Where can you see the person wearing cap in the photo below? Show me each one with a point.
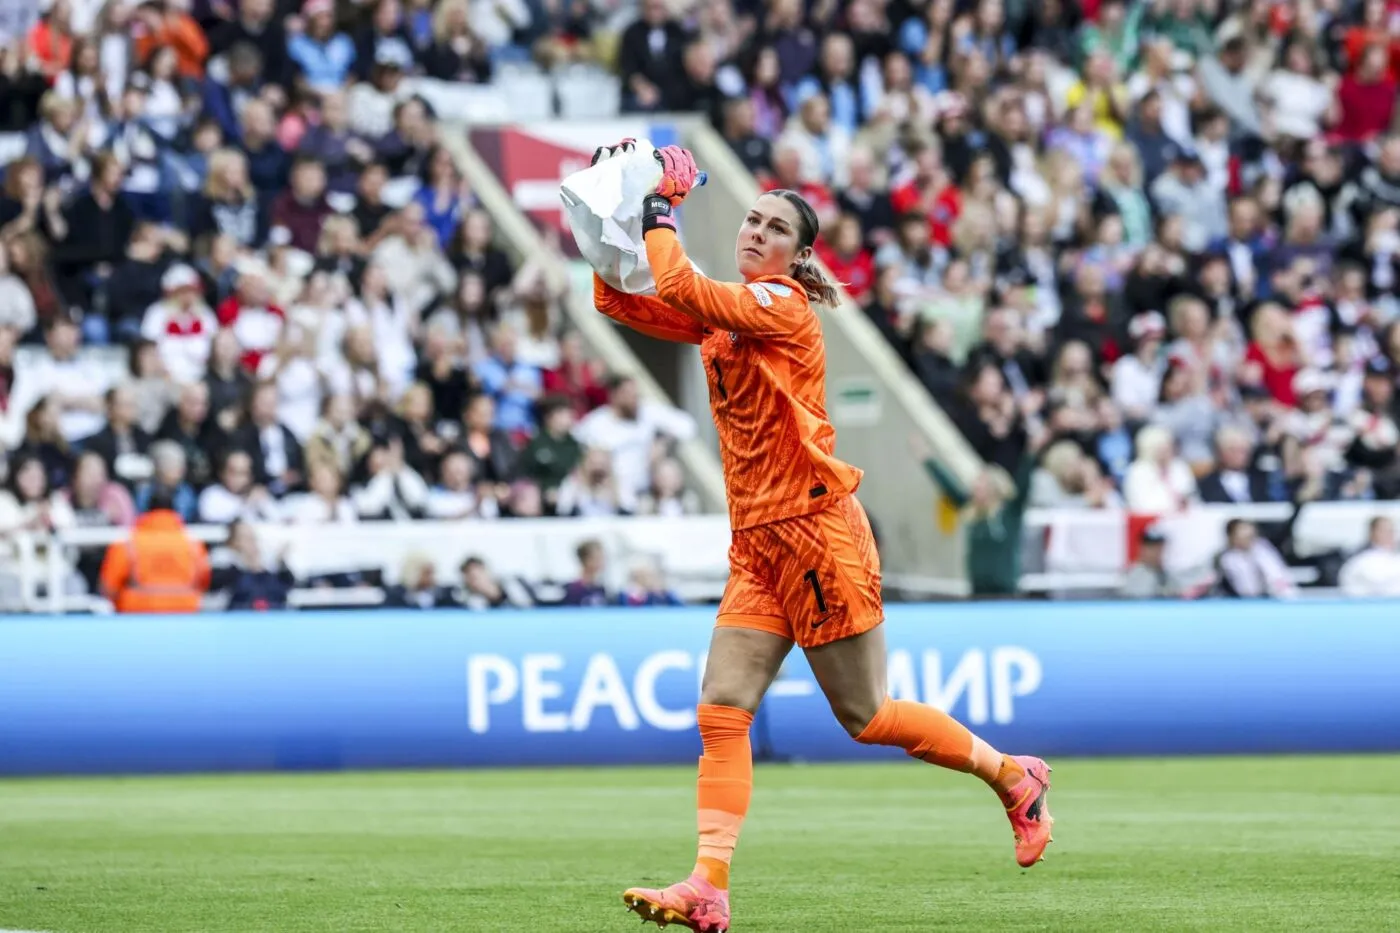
(1137, 378)
(1376, 434)
(324, 55)
(1147, 578)
(372, 102)
(1184, 191)
(181, 325)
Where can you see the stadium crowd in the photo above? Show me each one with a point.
(1152, 244)
(1145, 252)
(239, 272)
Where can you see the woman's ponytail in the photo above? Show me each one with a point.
(820, 290)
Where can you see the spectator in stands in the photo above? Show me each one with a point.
(1375, 570)
(338, 440)
(631, 431)
(74, 386)
(417, 587)
(1137, 377)
(267, 161)
(29, 504)
(1158, 482)
(160, 568)
(514, 384)
(591, 490)
(229, 205)
(323, 55)
(458, 53)
(553, 453)
(302, 208)
(473, 250)
(324, 501)
(650, 58)
(1234, 479)
(276, 454)
(646, 587)
(1250, 567)
(16, 303)
(490, 448)
(668, 496)
(588, 589)
(393, 490)
(250, 581)
(181, 325)
(480, 589)
(1148, 577)
(168, 482)
(416, 271)
(578, 378)
(992, 512)
(123, 445)
(235, 496)
(188, 425)
(454, 497)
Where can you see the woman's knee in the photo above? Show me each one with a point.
(855, 708)
(735, 693)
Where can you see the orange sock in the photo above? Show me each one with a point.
(723, 789)
(932, 735)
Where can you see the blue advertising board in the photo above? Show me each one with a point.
(614, 686)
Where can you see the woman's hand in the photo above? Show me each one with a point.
(607, 152)
(678, 173)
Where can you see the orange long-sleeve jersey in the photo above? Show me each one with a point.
(765, 362)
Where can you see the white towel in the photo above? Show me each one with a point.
(604, 206)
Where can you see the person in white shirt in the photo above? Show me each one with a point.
(181, 325)
(234, 497)
(76, 386)
(1250, 567)
(1137, 379)
(453, 497)
(1375, 570)
(1158, 481)
(632, 431)
(324, 502)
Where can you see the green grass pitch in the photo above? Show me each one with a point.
(1266, 844)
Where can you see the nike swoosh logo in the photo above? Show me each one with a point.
(819, 624)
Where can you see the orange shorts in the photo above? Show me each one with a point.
(813, 579)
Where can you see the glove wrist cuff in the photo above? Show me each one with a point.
(656, 212)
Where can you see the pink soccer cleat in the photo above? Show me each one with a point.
(1028, 808)
(693, 903)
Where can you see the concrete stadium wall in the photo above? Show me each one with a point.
(393, 689)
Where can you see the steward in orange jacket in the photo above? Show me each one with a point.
(160, 568)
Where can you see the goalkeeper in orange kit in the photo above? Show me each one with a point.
(803, 566)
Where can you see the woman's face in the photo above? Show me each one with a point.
(31, 481)
(476, 230)
(769, 239)
(373, 284)
(63, 116)
(417, 404)
(766, 68)
(471, 292)
(85, 58)
(442, 171)
(88, 478)
(481, 413)
(163, 63)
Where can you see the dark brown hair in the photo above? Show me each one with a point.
(819, 289)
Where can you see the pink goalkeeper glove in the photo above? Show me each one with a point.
(678, 173)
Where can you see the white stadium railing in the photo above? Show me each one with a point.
(692, 553)
(1067, 550)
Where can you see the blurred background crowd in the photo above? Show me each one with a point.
(1145, 253)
